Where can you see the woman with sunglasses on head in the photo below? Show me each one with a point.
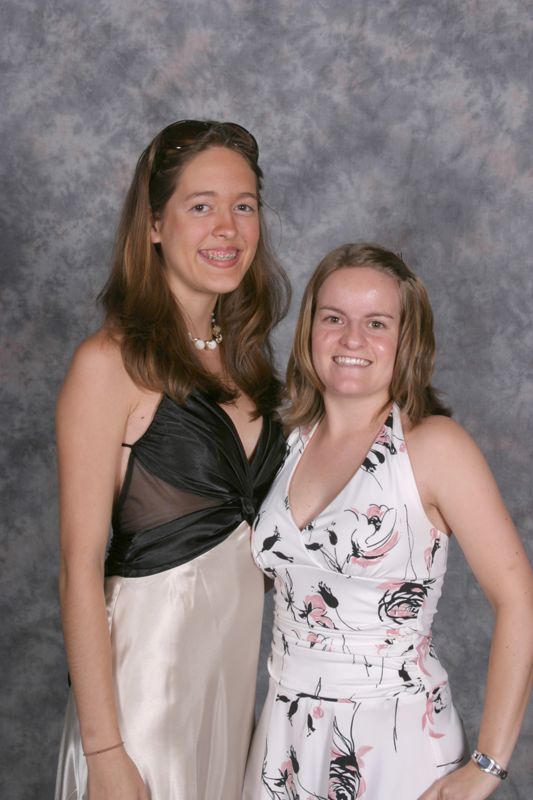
(376, 479)
(167, 430)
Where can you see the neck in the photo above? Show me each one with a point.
(345, 417)
(198, 316)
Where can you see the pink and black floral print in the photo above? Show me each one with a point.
(359, 705)
(345, 779)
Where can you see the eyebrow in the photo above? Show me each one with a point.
(208, 193)
(371, 314)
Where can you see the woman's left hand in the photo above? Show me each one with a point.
(466, 783)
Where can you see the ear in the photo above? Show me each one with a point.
(155, 236)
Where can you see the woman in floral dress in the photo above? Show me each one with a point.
(355, 533)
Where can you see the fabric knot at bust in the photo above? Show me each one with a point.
(248, 509)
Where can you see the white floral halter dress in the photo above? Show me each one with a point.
(358, 703)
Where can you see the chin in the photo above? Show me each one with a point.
(349, 392)
(223, 284)
(347, 388)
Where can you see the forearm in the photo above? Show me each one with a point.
(509, 682)
(88, 648)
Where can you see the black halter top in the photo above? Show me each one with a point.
(188, 485)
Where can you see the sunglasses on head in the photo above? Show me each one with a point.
(186, 133)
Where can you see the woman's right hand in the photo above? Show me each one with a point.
(114, 776)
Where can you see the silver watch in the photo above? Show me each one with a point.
(489, 765)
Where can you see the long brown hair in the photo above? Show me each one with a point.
(411, 385)
(141, 311)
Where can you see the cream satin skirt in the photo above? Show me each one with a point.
(185, 645)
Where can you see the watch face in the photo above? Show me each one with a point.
(483, 761)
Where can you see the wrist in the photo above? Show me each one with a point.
(99, 750)
(98, 735)
(489, 765)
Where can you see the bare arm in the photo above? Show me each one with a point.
(457, 484)
(92, 413)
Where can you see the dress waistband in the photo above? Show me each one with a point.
(337, 665)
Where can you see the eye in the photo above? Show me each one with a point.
(376, 324)
(245, 208)
(200, 208)
(333, 319)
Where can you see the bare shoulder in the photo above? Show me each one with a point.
(97, 375)
(441, 451)
(99, 357)
(438, 434)
(98, 393)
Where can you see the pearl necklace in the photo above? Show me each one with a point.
(213, 342)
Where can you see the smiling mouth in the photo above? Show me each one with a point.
(351, 361)
(223, 256)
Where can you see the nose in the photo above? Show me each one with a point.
(353, 335)
(224, 227)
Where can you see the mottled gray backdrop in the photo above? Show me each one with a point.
(406, 122)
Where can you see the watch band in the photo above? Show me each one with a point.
(489, 765)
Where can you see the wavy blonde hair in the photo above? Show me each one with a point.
(411, 385)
